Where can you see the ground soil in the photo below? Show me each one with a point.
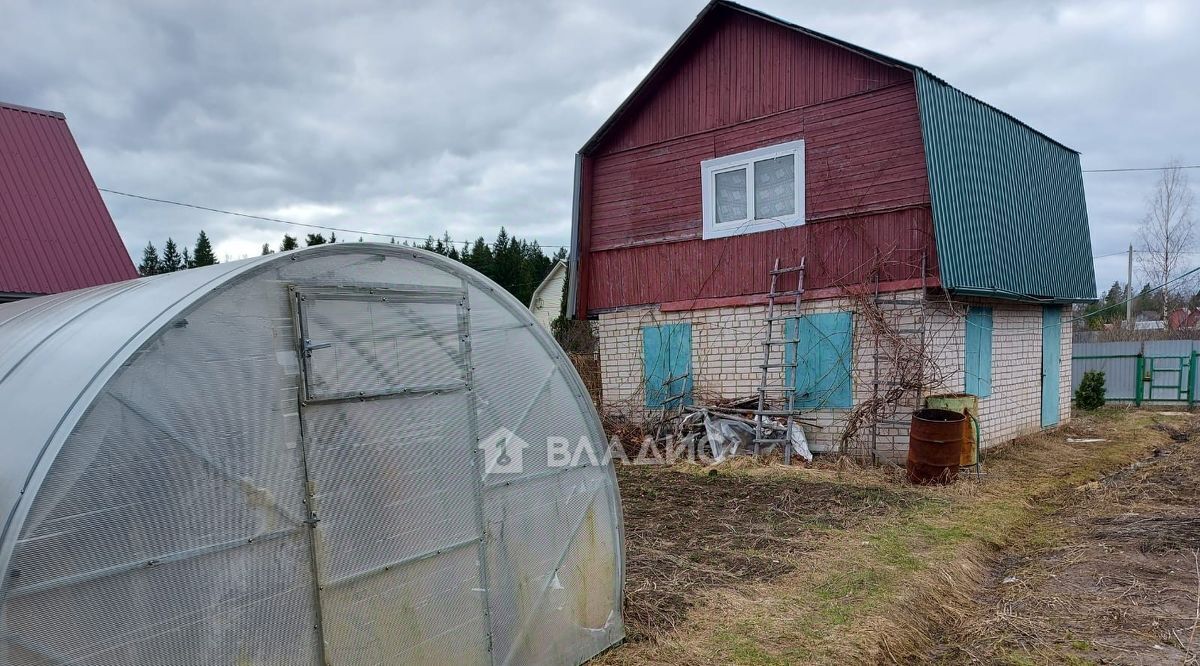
(689, 530)
(1112, 575)
(1064, 552)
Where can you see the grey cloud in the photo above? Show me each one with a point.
(412, 118)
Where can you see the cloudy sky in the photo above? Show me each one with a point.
(412, 118)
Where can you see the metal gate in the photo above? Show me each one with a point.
(1140, 378)
(393, 474)
(1167, 379)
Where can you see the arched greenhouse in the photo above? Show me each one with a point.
(337, 455)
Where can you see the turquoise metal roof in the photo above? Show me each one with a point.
(1009, 214)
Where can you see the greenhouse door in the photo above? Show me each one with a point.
(389, 444)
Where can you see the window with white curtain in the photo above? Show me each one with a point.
(753, 191)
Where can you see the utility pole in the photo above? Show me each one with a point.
(1129, 292)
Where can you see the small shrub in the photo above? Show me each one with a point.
(1090, 394)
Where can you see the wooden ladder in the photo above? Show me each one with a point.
(764, 434)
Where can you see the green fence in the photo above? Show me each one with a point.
(1139, 378)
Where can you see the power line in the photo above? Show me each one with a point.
(1131, 298)
(280, 221)
(1072, 319)
(419, 238)
(1161, 168)
(1121, 253)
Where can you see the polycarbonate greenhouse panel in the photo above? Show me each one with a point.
(341, 455)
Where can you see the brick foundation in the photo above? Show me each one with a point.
(726, 350)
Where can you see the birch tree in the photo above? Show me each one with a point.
(1167, 233)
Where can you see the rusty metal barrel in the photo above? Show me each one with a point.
(963, 403)
(935, 441)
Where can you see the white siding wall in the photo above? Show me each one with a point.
(547, 300)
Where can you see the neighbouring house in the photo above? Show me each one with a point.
(944, 240)
(55, 232)
(1184, 319)
(1149, 320)
(547, 301)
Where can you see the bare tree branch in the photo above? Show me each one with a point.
(1167, 233)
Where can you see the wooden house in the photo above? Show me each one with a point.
(931, 225)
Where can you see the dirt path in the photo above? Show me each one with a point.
(840, 565)
(1111, 576)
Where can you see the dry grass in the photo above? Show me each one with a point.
(688, 532)
(868, 569)
(1111, 576)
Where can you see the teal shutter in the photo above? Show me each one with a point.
(667, 365)
(822, 355)
(978, 366)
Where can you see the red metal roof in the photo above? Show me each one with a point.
(55, 232)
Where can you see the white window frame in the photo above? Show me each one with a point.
(708, 173)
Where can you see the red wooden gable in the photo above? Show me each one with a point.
(735, 67)
(736, 81)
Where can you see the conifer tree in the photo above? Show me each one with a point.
(1115, 294)
(150, 264)
(171, 260)
(516, 264)
(204, 252)
(480, 257)
(1090, 394)
(506, 260)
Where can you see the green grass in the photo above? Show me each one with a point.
(1018, 659)
(744, 650)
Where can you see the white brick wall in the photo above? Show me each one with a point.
(1014, 406)
(726, 351)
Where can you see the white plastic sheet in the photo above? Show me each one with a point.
(800, 443)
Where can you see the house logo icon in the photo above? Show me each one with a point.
(503, 452)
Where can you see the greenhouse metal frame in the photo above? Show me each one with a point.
(303, 458)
